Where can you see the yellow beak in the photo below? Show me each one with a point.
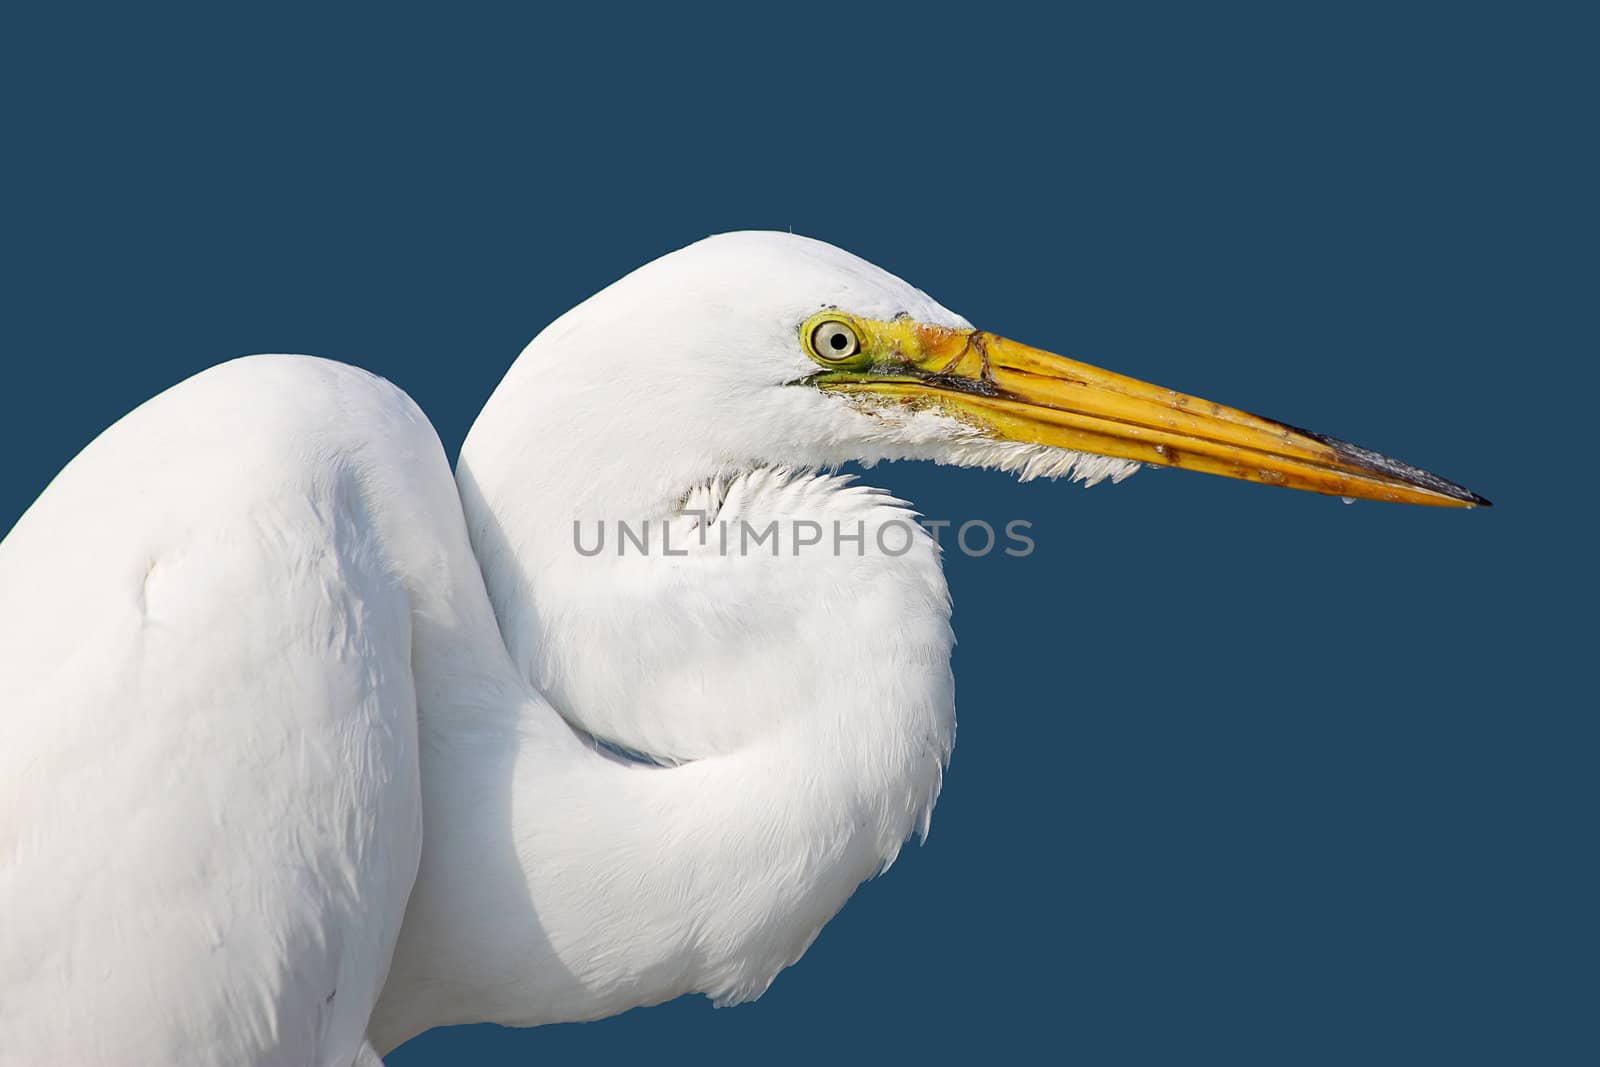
(1019, 393)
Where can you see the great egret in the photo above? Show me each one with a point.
(309, 746)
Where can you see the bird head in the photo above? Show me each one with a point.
(761, 349)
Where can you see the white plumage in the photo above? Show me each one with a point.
(306, 743)
(209, 801)
(226, 617)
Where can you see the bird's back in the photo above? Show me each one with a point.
(209, 798)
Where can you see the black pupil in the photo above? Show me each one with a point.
(838, 340)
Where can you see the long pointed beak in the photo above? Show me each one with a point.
(1019, 393)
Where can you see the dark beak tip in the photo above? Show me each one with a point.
(1389, 467)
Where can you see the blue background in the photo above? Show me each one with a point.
(1244, 776)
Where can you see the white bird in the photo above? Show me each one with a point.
(307, 745)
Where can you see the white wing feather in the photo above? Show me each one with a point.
(209, 797)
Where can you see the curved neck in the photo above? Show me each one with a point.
(807, 698)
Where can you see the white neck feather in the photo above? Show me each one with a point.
(807, 697)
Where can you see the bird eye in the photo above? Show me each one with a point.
(833, 340)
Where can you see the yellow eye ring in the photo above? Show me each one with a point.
(830, 338)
